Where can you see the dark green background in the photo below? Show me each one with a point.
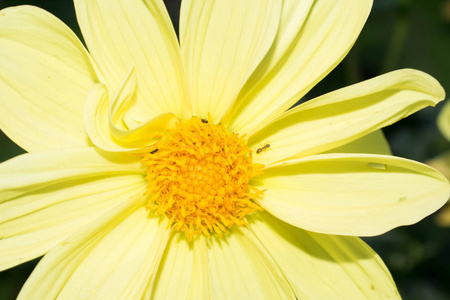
(398, 34)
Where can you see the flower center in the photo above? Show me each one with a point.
(198, 175)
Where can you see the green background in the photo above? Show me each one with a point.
(398, 34)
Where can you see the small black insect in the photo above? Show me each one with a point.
(204, 121)
(259, 150)
(154, 151)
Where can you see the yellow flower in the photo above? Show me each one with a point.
(443, 120)
(160, 169)
(442, 161)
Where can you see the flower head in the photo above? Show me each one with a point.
(198, 176)
(442, 161)
(161, 169)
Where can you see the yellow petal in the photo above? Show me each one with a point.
(120, 34)
(105, 125)
(443, 120)
(45, 75)
(35, 186)
(320, 266)
(33, 171)
(185, 265)
(373, 143)
(241, 268)
(113, 258)
(37, 221)
(345, 115)
(312, 39)
(96, 119)
(143, 135)
(351, 194)
(222, 42)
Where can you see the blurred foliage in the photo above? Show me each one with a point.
(398, 34)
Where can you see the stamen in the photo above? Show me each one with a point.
(198, 175)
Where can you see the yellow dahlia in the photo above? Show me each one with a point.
(442, 161)
(166, 169)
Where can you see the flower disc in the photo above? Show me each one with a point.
(198, 175)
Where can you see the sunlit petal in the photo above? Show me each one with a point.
(120, 34)
(241, 268)
(51, 192)
(187, 265)
(222, 43)
(113, 258)
(30, 172)
(345, 115)
(299, 58)
(343, 267)
(36, 222)
(104, 120)
(351, 194)
(45, 75)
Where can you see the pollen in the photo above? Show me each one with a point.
(198, 176)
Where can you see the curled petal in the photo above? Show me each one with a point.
(105, 119)
(124, 33)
